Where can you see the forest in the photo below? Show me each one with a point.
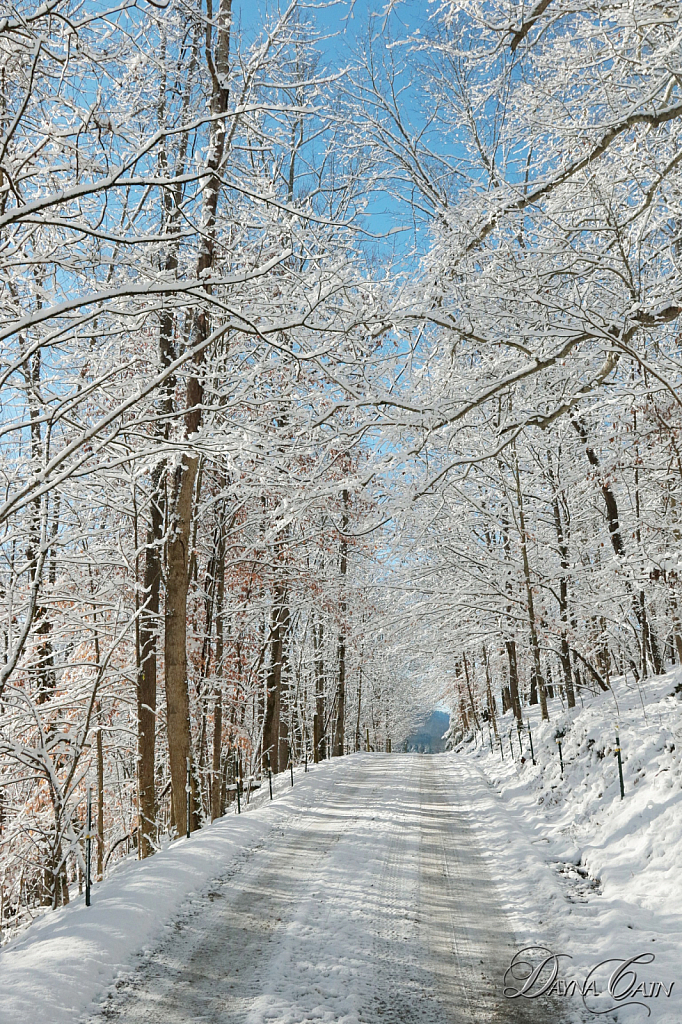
(339, 377)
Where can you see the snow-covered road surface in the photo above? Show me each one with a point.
(371, 904)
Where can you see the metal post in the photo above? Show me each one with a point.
(490, 733)
(561, 759)
(511, 745)
(499, 740)
(291, 765)
(620, 765)
(269, 775)
(305, 763)
(188, 793)
(88, 845)
(518, 729)
(236, 776)
(530, 737)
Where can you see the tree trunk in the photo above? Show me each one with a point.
(607, 493)
(100, 796)
(216, 753)
(153, 569)
(285, 709)
(357, 720)
(318, 721)
(340, 726)
(514, 699)
(216, 774)
(676, 625)
(175, 647)
(177, 690)
(563, 591)
(489, 694)
(471, 696)
(510, 644)
(566, 669)
(273, 680)
(146, 683)
(535, 646)
(533, 699)
(617, 543)
(649, 637)
(43, 668)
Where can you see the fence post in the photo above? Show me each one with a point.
(291, 764)
(236, 777)
(269, 775)
(561, 758)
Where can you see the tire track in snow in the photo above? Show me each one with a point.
(214, 965)
(464, 926)
(374, 906)
(402, 986)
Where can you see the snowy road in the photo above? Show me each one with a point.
(372, 906)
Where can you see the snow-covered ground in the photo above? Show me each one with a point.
(614, 888)
(65, 959)
(359, 896)
(390, 888)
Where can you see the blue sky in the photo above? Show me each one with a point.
(344, 25)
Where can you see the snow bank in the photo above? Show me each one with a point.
(606, 873)
(57, 967)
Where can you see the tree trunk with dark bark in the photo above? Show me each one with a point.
(146, 682)
(273, 679)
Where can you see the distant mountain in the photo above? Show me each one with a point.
(427, 736)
